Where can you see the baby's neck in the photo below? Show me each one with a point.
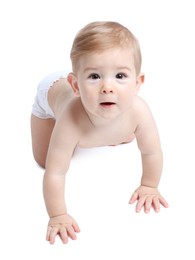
(99, 122)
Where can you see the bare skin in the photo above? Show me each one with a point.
(96, 106)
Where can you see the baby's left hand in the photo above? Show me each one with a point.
(148, 198)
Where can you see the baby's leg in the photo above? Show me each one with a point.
(43, 118)
(41, 130)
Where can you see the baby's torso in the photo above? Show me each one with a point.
(112, 132)
(62, 101)
(107, 136)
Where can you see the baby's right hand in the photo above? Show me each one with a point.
(64, 226)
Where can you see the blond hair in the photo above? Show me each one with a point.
(99, 36)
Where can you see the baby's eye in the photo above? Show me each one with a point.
(120, 76)
(94, 76)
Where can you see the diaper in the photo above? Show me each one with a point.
(41, 106)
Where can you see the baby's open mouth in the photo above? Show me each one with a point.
(107, 103)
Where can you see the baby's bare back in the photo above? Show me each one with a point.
(59, 95)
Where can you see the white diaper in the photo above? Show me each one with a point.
(41, 107)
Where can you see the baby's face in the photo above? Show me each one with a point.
(107, 82)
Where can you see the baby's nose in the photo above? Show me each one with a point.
(107, 88)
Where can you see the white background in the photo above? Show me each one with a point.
(36, 38)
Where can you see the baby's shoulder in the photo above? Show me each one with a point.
(141, 110)
(73, 114)
(139, 105)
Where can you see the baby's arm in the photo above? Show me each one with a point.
(148, 142)
(60, 223)
(62, 144)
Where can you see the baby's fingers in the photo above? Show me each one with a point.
(163, 202)
(147, 204)
(71, 232)
(63, 235)
(133, 198)
(65, 232)
(76, 226)
(48, 233)
(140, 204)
(51, 234)
(156, 204)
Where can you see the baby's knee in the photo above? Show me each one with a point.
(40, 161)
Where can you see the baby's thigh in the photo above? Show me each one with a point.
(41, 130)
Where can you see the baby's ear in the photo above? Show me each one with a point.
(72, 80)
(140, 80)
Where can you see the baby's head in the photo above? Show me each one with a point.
(99, 36)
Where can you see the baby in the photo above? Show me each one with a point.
(97, 104)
